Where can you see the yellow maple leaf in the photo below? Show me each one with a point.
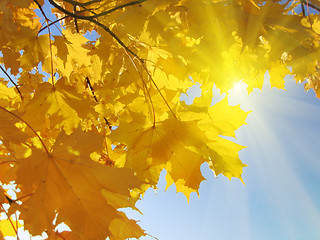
(182, 146)
(67, 182)
(11, 136)
(277, 73)
(36, 48)
(70, 53)
(61, 103)
(6, 93)
(219, 120)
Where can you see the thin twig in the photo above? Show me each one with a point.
(304, 2)
(74, 3)
(10, 79)
(307, 3)
(22, 197)
(54, 22)
(91, 89)
(313, 6)
(302, 8)
(15, 230)
(96, 100)
(58, 20)
(75, 19)
(40, 8)
(152, 236)
(90, 2)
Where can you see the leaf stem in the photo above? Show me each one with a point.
(14, 228)
(18, 199)
(49, 33)
(148, 93)
(154, 83)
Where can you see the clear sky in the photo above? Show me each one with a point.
(281, 195)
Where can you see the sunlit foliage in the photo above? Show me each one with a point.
(88, 123)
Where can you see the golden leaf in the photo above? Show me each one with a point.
(67, 182)
(61, 103)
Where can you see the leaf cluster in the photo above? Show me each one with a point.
(88, 124)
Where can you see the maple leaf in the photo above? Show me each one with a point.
(61, 103)
(6, 93)
(34, 53)
(66, 182)
(182, 146)
(10, 59)
(11, 136)
(70, 53)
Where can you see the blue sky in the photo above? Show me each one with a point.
(280, 198)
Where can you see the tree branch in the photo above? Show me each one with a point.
(91, 19)
(313, 6)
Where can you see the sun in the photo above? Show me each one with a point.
(238, 94)
(239, 88)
